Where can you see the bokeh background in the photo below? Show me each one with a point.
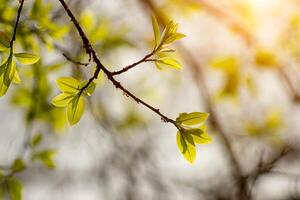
(240, 63)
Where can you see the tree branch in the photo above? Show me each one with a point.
(93, 55)
(17, 22)
(74, 61)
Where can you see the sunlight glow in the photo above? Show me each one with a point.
(263, 4)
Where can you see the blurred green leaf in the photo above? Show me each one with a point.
(46, 157)
(265, 58)
(18, 166)
(156, 30)
(26, 58)
(7, 73)
(4, 40)
(36, 139)
(15, 189)
(2, 189)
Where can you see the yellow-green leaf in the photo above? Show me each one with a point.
(15, 189)
(186, 146)
(46, 157)
(193, 118)
(4, 40)
(174, 37)
(62, 100)
(75, 109)
(36, 139)
(1, 191)
(90, 89)
(26, 58)
(18, 165)
(204, 138)
(200, 135)
(156, 30)
(16, 78)
(228, 64)
(7, 72)
(169, 62)
(182, 146)
(265, 58)
(68, 84)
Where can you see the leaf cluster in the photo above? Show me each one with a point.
(191, 131)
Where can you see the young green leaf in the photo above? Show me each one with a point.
(62, 100)
(4, 41)
(156, 30)
(90, 89)
(7, 72)
(169, 62)
(75, 109)
(46, 157)
(16, 78)
(26, 58)
(15, 189)
(68, 84)
(18, 166)
(174, 37)
(2, 189)
(199, 135)
(36, 139)
(193, 118)
(265, 58)
(186, 146)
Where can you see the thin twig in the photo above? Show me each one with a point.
(17, 23)
(74, 61)
(125, 69)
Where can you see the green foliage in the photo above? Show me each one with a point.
(268, 129)
(161, 50)
(186, 146)
(46, 157)
(1, 191)
(8, 69)
(191, 131)
(7, 73)
(71, 97)
(265, 58)
(193, 118)
(15, 188)
(36, 140)
(102, 34)
(18, 166)
(4, 41)
(231, 68)
(26, 58)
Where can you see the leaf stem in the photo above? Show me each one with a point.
(125, 69)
